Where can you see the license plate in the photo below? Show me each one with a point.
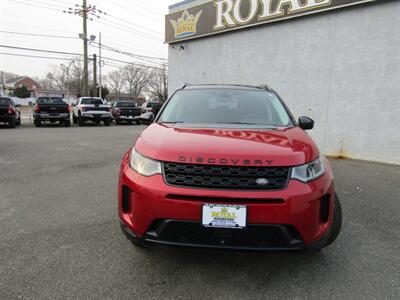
(224, 216)
(130, 117)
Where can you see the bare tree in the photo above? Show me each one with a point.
(75, 76)
(158, 83)
(116, 82)
(136, 79)
(57, 77)
(65, 77)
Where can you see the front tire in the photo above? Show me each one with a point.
(38, 123)
(12, 123)
(333, 230)
(67, 123)
(74, 119)
(107, 122)
(336, 222)
(81, 122)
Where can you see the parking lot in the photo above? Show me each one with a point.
(60, 235)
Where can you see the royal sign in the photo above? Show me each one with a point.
(218, 16)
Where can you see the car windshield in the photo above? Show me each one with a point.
(5, 101)
(125, 104)
(244, 108)
(92, 101)
(50, 100)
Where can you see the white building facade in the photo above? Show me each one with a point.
(338, 65)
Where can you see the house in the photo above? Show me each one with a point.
(29, 83)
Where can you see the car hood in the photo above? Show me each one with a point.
(281, 147)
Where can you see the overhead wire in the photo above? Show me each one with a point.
(151, 58)
(147, 6)
(134, 32)
(36, 56)
(39, 35)
(35, 5)
(40, 50)
(78, 54)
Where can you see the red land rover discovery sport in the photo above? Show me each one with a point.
(227, 166)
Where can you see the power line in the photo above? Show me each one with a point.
(77, 38)
(134, 24)
(35, 5)
(130, 63)
(128, 46)
(141, 59)
(76, 54)
(106, 22)
(130, 9)
(31, 26)
(44, 3)
(123, 67)
(134, 32)
(148, 7)
(130, 54)
(36, 56)
(40, 50)
(148, 16)
(40, 35)
(58, 1)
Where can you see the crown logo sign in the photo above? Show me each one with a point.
(186, 25)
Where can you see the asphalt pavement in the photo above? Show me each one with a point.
(60, 236)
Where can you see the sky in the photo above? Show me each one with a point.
(133, 26)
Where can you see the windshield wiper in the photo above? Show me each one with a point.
(246, 123)
(240, 123)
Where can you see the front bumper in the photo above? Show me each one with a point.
(7, 119)
(52, 117)
(95, 115)
(125, 118)
(293, 213)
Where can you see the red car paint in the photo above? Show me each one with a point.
(152, 199)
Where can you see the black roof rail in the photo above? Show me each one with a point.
(265, 87)
(261, 87)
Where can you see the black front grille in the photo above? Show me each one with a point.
(96, 108)
(226, 177)
(130, 112)
(253, 236)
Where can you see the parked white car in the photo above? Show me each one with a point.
(91, 109)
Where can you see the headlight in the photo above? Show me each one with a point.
(309, 172)
(143, 165)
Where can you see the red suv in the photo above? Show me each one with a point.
(227, 166)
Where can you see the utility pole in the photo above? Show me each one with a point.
(100, 79)
(95, 75)
(2, 84)
(84, 12)
(85, 51)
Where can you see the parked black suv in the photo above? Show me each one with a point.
(125, 111)
(9, 112)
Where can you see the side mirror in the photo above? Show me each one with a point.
(147, 118)
(306, 123)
